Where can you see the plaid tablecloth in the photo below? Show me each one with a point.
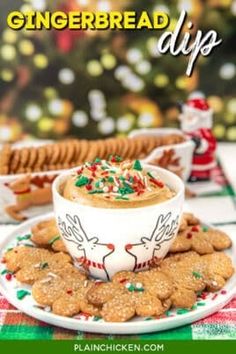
(222, 325)
(16, 325)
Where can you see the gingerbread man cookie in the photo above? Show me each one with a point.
(200, 239)
(46, 234)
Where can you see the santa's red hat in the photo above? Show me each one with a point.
(198, 110)
(198, 101)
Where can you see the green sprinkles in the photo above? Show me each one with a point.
(139, 290)
(6, 271)
(43, 265)
(205, 228)
(54, 239)
(118, 158)
(21, 294)
(96, 191)
(97, 318)
(197, 275)
(131, 288)
(150, 175)
(25, 237)
(126, 189)
(194, 307)
(110, 179)
(182, 311)
(131, 179)
(120, 186)
(137, 165)
(122, 198)
(201, 304)
(82, 181)
(97, 184)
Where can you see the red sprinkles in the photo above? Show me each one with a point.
(195, 228)
(89, 187)
(189, 235)
(8, 276)
(157, 183)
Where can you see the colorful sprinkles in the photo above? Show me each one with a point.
(134, 287)
(116, 179)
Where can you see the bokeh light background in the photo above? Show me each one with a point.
(96, 84)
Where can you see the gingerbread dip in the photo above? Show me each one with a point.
(115, 184)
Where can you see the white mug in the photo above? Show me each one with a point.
(106, 241)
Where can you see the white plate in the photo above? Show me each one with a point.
(211, 304)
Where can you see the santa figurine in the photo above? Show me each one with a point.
(196, 122)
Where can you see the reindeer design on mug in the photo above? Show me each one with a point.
(93, 253)
(164, 231)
